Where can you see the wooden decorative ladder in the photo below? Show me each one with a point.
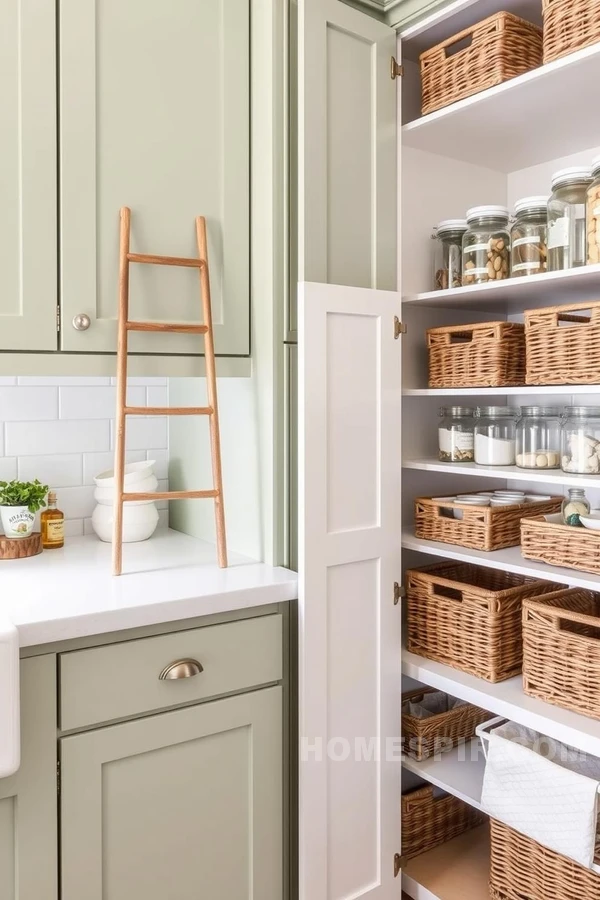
(125, 326)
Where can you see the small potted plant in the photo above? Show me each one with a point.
(19, 502)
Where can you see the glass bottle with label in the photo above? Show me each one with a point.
(52, 522)
(486, 245)
(528, 237)
(448, 254)
(593, 214)
(567, 245)
(456, 434)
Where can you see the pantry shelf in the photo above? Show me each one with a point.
(554, 477)
(453, 871)
(558, 390)
(459, 771)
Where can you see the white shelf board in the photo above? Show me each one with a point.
(543, 390)
(457, 870)
(516, 294)
(507, 699)
(539, 116)
(556, 478)
(459, 771)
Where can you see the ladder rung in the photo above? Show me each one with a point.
(152, 260)
(171, 495)
(169, 410)
(180, 327)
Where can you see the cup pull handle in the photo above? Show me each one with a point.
(182, 668)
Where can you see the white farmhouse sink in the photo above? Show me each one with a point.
(10, 728)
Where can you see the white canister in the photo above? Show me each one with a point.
(17, 521)
(140, 517)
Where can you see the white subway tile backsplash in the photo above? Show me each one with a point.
(75, 436)
(157, 396)
(18, 404)
(77, 502)
(94, 463)
(151, 380)
(142, 433)
(62, 379)
(161, 460)
(58, 471)
(74, 527)
(95, 402)
(8, 379)
(8, 468)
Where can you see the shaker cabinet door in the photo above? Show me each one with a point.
(154, 115)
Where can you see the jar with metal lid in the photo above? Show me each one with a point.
(448, 253)
(486, 245)
(580, 443)
(574, 506)
(495, 435)
(456, 434)
(593, 214)
(567, 245)
(538, 437)
(528, 237)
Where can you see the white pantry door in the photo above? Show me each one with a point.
(349, 626)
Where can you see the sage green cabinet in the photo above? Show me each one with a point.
(28, 799)
(184, 804)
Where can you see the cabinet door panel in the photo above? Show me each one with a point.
(182, 805)
(154, 116)
(28, 251)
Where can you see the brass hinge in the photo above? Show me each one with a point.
(396, 70)
(58, 318)
(399, 593)
(397, 864)
(58, 777)
(399, 327)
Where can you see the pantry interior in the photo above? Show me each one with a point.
(494, 147)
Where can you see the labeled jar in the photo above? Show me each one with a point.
(448, 254)
(567, 245)
(495, 435)
(538, 437)
(486, 245)
(528, 237)
(456, 436)
(580, 442)
(574, 506)
(593, 214)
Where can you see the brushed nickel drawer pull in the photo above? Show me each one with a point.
(183, 668)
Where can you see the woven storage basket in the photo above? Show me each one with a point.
(428, 820)
(521, 869)
(569, 25)
(481, 527)
(561, 650)
(439, 733)
(489, 354)
(560, 545)
(567, 353)
(469, 617)
(495, 50)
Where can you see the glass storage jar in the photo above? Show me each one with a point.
(486, 245)
(575, 505)
(448, 254)
(495, 436)
(538, 437)
(456, 434)
(528, 237)
(580, 443)
(593, 214)
(567, 246)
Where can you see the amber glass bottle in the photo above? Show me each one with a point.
(53, 525)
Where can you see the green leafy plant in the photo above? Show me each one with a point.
(31, 494)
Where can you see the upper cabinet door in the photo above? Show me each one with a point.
(28, 176)
(347, 147)
(154, 115)
(349, 625)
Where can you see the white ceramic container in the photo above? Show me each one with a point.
(17, 521)
(139, 522)
(139, 478)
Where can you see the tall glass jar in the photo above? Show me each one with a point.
(593, 214)
(538, 437)
(495, 435)
(486, 245)
(567, 246)
(448, 253)
(528, 237)
(456, 434)
(580, 444)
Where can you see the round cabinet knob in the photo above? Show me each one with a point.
(183, 668)
(81, 322)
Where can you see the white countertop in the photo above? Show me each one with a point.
(71, 593)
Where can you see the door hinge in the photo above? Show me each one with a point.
(399, 327)
(396, 70)
(58, 318)
(397, 864)
(399, 593)
(58, 777)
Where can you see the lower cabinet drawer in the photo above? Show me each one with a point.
(133, 677)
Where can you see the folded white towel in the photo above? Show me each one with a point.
(543, 789)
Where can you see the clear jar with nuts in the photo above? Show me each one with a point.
(529, 249)
(567, 245)
(448, 253)
(486, 245)
(538, 437)
(593, 214)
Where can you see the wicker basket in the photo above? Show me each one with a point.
(489, 354)
(439, 733)
(481, 527)
(469, 617)
(563, 354)
(561, 650)
(569, 25)
(491, 52)
(560, 545)
(429, 820)
(521, 869)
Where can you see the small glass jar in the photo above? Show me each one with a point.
(580, 442)
(528, 237)
(567, 245)
(448, 254)
(495, 436)
(575, 505)
(456, 434)
(486, 245)
(593, 214)
(538, 437)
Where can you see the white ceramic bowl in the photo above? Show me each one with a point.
(505, 501)
(509, 493)
(139, 479)
(139, 522)
(537, 498)
(592, 521)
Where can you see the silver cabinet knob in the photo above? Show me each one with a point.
(81, 322)
(183, 668)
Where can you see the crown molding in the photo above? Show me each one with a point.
(397, 13)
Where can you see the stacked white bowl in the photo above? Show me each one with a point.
(140, 517)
